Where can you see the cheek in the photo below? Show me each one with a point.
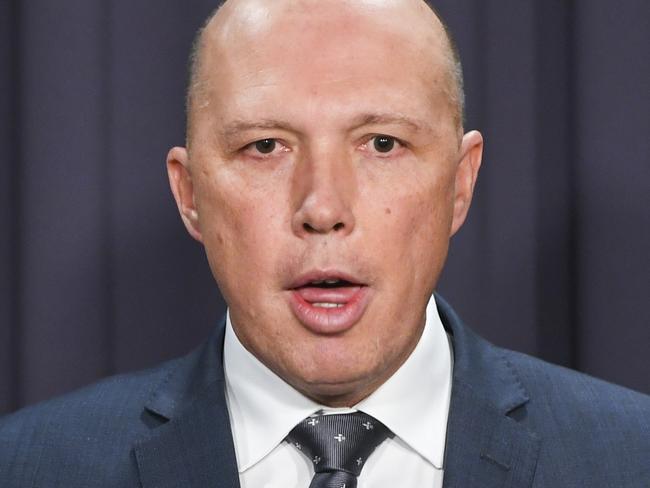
(421, 206)
(240, 223)
(415, 225)
(433, 212)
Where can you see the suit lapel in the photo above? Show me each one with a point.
(486, 446)
(192, 450)
(190, 443)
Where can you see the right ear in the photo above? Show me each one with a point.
(180, 180)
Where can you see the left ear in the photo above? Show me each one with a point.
(471, 153)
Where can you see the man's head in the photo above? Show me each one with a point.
(325, 143)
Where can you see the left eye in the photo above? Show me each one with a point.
(383, 144)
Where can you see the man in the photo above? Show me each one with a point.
(325, 171)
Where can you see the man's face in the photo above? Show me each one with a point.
(323, 180)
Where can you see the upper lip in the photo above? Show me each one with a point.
(322, 275)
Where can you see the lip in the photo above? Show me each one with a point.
(352, 302)
(322, 275)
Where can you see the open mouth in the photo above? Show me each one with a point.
(329, 293)
(328, 302)
(332, 283)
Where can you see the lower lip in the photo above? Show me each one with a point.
(321, 320)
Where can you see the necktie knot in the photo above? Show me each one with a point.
(338, 443)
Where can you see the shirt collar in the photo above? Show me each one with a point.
(263, 408)
(413, 403)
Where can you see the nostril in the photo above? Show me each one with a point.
(307, 227)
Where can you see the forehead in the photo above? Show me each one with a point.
(325, 56)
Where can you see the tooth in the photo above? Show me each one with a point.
(327, 305)
(318, 282)
(331, 282)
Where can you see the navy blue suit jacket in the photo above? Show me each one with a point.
(515, 421)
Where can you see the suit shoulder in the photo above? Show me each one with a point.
(583, 400)
(86, 427)
(110, 396)
(589, 428)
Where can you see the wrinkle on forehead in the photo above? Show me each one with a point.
(241, 25)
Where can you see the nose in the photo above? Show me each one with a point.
(324, 189)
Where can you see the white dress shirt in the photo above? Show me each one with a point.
(413, 404)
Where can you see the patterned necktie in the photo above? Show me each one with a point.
(338, 446)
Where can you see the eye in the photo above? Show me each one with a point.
(383, 144)
(265, 146)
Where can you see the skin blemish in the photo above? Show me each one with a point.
(388, 211)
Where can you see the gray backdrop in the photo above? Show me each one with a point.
(97, 275)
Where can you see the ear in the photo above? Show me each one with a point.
(471, 153)
(180, 180)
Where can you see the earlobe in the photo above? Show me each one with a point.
(471, 154)
(180, 181)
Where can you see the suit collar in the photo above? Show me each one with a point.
(485, 446)
(190, 443)
(189, 376)
(482, 366)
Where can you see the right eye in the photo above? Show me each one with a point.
(265, 146)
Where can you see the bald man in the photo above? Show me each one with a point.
(325, 170)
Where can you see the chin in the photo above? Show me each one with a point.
(336, 392)
(333, 378)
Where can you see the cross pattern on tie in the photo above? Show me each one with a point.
(338, 446)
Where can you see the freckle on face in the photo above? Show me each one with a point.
(388, 211)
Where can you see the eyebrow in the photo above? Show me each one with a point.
(235, 127)
(390, 118)
(232, 129)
